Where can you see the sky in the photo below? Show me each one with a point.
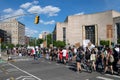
(51, 11)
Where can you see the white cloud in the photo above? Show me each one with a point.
(31, 7)
(30, 32)
(19, 12)
(35, 9)
(35, 2)
(8, 10)
(26, 5)
(50, 10)
(47, 22)
(15, 14)
(81, 13)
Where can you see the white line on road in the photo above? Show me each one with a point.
(22, 77)
(24, 71)
(12, 70)
(28, 79)
(113, 75)
(49, 62)
(57, 64)
(104, 78)
(4, 65)
(42, 61)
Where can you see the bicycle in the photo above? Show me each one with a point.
(87, 65)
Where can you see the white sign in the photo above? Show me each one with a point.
(85, 42)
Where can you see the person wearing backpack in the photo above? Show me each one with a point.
(79, 56)
(109, 62)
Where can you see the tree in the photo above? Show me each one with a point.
(59, 43)
(39, 41)
(49, 39)
(4, 46)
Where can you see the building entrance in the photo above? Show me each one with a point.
(90, 33)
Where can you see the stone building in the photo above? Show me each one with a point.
(4, 37)
(15, 29)
(94, 27)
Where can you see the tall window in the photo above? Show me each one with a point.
(64, 34)
(118, 30)
(109, 31)
(90, 33)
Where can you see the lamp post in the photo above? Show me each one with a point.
(52, 38)
(45, 33)
(46, 40)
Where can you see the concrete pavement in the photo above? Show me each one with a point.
(4, 56)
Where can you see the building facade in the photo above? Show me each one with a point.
(5, 38)
(15, 29)
(93, 27)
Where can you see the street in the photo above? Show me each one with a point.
(42, 69)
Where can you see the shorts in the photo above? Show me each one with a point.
(78, 60)
(64, 58)
(109, 64)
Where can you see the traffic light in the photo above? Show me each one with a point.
(36, 20)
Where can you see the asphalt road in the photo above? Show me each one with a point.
(29, 69)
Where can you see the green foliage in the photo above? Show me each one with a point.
(59, 44)
(4, 46)
(49, 39)
(35, 42)
(118, 41)
(104, 42)
(39, 41)
(18, 45)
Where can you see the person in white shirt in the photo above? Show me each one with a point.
(64, 51)
(93, 59)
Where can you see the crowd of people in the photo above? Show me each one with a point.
(106, 57)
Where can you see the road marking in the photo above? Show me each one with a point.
(22, 77)
(24, 71)
(57, 64)
(67, 66)
(23, 59)
(49, 62)
(12, 70)
(104, 78)
(28, 79)
(113, 75)
(5, 65)
(42, 61)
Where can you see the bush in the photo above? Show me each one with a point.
(118, 41)
(104, 42)
(59, 44)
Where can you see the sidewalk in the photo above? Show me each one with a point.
(4, 56)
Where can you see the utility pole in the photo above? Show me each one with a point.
(45, 33)
(52, 38)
